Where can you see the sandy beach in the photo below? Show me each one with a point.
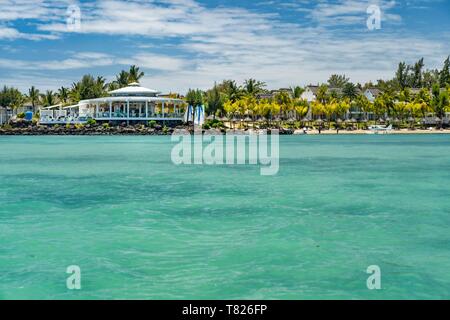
(356, 132)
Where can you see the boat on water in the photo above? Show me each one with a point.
(378, 129)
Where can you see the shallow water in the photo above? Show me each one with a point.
(140, 227)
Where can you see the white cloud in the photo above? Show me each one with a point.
(213, 44)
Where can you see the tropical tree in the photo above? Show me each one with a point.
(63, 94)
(214, 100)
(284, 102)
(301, 108)
(253, 87)
(231, 90)
(350, 91)
(122, 79)
(11, 97)
(401, 76)
(49, 98)
(322, 94)
(34, 96)
(338, 81)
(296, 92)
(444, 75)
(194, 98)
(134, 75)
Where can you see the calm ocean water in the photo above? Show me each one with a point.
(140, 227)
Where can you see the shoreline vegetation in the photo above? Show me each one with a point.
(414, 101)
(152, 130)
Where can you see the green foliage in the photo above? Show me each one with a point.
(91, 122)
(79, 126)
(216, 124)
(253, 87)
(338, 81)
(214, 100)
(106, 125)
(152, 123)
(165, 130)
(444, 75)
(11, 97)
(48, 98)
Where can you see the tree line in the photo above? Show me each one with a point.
(89, 87)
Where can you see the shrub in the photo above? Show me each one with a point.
(165, 130)
(106, 125)
(152, 123)
(79, 126)
(21, 115)
(216, 124)
(91, 122)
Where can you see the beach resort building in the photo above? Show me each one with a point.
(372, 93)
(133, 103)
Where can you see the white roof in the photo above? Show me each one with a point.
(133, 89)
(130, 99)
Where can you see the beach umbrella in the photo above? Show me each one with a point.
(319, 120)
(396, 120)
(338, 120)
(262, 119)
(411, 119)
(292, 119)
(353, 120)
(381, 120)
(248, 119)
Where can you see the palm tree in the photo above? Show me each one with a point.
(63, 94)
(49, 98)
(350, 91)
(214, 100)
(194, 98)
(33, 95)
(134, 75)
(253, 87)
(122, 79)
(297, 92)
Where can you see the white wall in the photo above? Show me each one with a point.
(308, 95)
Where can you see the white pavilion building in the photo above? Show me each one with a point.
(132, 103)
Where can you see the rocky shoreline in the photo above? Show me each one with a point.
(87, 130)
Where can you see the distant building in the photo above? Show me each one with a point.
(310, 93)
(5, 114)
(372, 93)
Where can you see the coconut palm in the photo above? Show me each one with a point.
(194, 98)
(63, 94)
(253, 87)
(122, 79)
(214, 100)
(134, 75)
(296, 92)
(49, 98)
(33, 95)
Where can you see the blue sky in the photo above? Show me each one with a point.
(192, 43)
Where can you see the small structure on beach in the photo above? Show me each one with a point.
(132, 103)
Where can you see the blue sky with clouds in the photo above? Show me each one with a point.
(192, 43)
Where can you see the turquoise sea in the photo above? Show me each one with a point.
(140, 227)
